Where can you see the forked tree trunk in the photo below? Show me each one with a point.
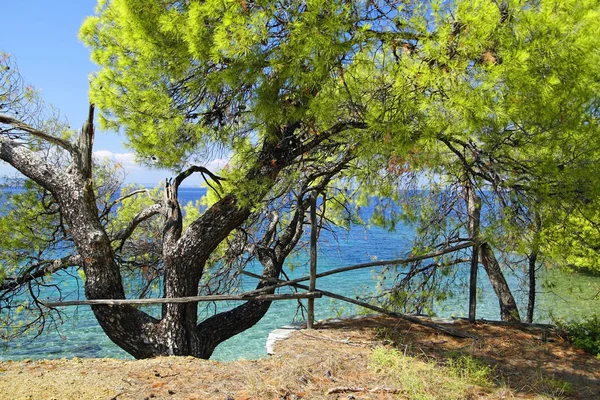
(184, 255)
(177, 332)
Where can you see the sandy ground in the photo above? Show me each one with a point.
(311, 364)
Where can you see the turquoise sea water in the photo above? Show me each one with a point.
(80, 335)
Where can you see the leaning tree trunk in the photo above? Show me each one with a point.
(223, 326)
(130, 328)
(508, 306)
(220, 327)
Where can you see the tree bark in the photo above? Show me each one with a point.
(532, 268)
(485, 255)
(474, 218)
(508, 306)
(223, 326)
(532, 258)
(184, 254)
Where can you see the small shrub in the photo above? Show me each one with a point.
(336, 309)
(384, 334)
(584, 334)
(555, 387)
(422, 379)
(471, 369)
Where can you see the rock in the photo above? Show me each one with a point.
(280, 334)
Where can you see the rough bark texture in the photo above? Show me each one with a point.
(185, 254)
(223, 326)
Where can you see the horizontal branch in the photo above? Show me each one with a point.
(40, 270)
(30, 164)
(191, 299)
(195, 168)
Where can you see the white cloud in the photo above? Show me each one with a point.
(136, 173)
(127, 160)
(141, 174)
(216, 165)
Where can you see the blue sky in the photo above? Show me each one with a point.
(41, 36)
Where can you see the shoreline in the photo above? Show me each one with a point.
(335, 358)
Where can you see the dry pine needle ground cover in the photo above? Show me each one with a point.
(368, 358)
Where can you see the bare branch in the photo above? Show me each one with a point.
(377, 264)
(195, 168)
(408, 317)
(142, 216)
(120, 199)
(188, 299)
(15, 123)
(40, 270)
(85, 145)
(270, 231)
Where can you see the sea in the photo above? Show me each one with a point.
(560, 295)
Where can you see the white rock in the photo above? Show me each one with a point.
(280, 334)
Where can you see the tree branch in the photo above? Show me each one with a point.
(142, 216)
(195, 168)
(335, 129)
(15, 123)
(270, 231)
(467, 166)
(40, 270)
(31, 165)
(85, 145)
(120, 199)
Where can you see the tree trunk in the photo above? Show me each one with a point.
(532, 286)
(532, 258)
(508, 306)
(178, 321)
(184, 254)
(474, 218)
(225, 325)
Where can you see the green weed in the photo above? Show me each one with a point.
(424, 380)
(584, 334)
(555, 387)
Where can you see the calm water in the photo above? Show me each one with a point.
(80, 335)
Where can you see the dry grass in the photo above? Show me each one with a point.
(376, 358)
